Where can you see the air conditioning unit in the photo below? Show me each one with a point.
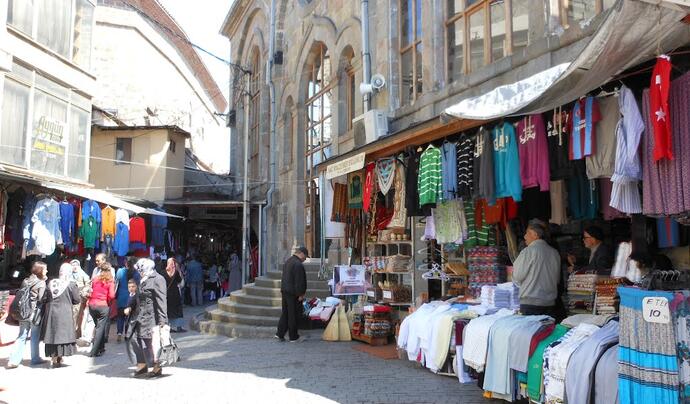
(372, 124)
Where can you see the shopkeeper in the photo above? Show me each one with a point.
(537, 272)
(600, 256)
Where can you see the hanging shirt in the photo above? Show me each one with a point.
(583, 128)
(89, 232)
(108, 216)
(28, 212)
(659, 113)
(369, 180)
(558, 134)
(429, 182)
(483, 167)
(137, 230)
(532, 148)
(506, 163)
(411, 179)
(559, 203)
(90, 208)
(449, 171)
(67, 224)
(121, 242)
(465, 162)
(122, 216)
(625, 195)
(603, 161)
(583, 198)
(46, 226)
(158, 225)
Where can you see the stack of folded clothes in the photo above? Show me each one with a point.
(487, 267)
(606, 297)
(581, 289)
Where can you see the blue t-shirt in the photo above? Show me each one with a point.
(195, 273)
(122, 293)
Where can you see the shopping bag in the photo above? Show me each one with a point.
(168, 353)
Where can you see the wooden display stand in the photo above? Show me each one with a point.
(373, 341)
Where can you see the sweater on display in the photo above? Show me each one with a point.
(429, 181)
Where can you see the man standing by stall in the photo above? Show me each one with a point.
(537, 271)
(293, 286)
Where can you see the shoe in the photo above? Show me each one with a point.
(11, 366)
(281, 339)
(180, 329)
(119, 337)
(173, 330)
(141, 373)
(39, 363)
(155, 372)
(298, 340)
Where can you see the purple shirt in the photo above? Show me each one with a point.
(533, 149)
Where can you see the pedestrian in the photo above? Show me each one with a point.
(102, 264)
(195, 280)
(173, 277)
(37, 284)
(122, 277)
(147, 319)
(293, 286)
(103, 292)
(537, 271)
(235, 276)
(83, 282)
(213, 280)
(59, 334)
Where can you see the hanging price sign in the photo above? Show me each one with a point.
(655, 310)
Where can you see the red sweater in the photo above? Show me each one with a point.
(137, 230)
(102, 294)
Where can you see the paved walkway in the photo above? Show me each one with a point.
(222, 370)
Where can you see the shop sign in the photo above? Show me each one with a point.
(49, 136)
(387, 294)
(350, 280)
(346, 166)
(655, 310)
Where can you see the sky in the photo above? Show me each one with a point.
(201, 20)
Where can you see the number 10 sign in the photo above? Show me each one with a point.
(655, 310)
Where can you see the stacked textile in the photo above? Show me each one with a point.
(476, 339)
(511, 292)
(606, 296)
(648, 370)
(581, 293)
(502, 296)
(486, 266)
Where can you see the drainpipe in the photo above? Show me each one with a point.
(272, 176)
(366, 55)
(245, 189)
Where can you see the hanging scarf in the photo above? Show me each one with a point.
(385, 173)
(58, 285)
(368, 187)
(355, 184)
(399, 211)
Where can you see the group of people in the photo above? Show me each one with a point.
(142, 299)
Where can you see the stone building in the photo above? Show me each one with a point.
(432, 54)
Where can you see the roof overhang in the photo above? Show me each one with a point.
(222, 203)
(171, 128)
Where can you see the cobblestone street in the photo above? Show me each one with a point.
(222, 370)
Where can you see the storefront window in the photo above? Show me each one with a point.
(15, 111)
(410, 50)
(477, 35)
(54, 139)
(498, 30)
(520, 24)
(64, 26)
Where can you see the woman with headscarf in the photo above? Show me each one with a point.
(235, 277)
(173, 277)
(147, 319)
(83, 282)
(59, 333)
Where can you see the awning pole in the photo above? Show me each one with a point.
(245, 195)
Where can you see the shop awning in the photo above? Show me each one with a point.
(105, 197)
(631, 33)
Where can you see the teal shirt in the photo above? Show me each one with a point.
(506, 162)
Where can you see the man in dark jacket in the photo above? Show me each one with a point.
(293, 286)
(600, 256)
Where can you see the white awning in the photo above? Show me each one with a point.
(107, 198)
(630, 34)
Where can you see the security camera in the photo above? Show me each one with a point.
(377, 83)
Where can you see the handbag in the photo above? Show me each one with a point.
(37, 316)
(168, 353)
(113, 309)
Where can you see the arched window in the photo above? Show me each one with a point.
(318, 133)
(254, 113)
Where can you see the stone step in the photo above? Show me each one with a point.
(249, 309)
(243, 298)
(312, 276)
(235, 318)
(235, 330)
(274, 275)
(267, 282)
(260, 291)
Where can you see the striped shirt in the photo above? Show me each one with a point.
(465, 155)
(583, 132)
(625, 194)
(429, 181)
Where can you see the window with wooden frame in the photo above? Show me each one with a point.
(410, 50)
(575, 11)
(318, 133)
(254, 113)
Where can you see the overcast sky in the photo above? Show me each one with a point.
(201, 20)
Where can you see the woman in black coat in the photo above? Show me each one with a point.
(148, 317)
(173, 278)
(59, 333)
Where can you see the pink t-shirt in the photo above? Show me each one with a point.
(533, 150)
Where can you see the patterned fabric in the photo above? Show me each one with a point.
(451, 225)
(583, 131)
(429, 182)
(659, 113)
(665, 190)
(355, 187)
(465, 166)
(680, 309)
(399, 211)
(385, 174)
(647, 363)
(368, 187)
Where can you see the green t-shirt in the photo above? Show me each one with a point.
(535, 366)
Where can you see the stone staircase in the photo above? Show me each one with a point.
(255, 310)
